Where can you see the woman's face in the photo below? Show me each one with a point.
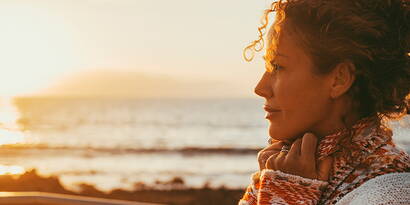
(297, 99)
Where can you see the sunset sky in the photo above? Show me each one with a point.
(48, 45)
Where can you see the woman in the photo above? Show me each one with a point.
(337, 70)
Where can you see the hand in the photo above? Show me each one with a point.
(265, 153)
(300, 160)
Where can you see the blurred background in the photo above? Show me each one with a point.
(132, 94)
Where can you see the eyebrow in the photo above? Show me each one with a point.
(282, 55)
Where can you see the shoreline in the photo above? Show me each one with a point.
(176, 193)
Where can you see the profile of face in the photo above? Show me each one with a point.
(297, 99)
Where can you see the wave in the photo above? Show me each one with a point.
(185, 150)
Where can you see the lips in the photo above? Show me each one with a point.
(270, 109)
(271, 112)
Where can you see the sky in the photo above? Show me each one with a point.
(60, 46)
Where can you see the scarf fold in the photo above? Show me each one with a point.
(363, 137)
(361, 152)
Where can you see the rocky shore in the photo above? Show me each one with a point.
(175, 193)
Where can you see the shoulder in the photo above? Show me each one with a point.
(392, 188)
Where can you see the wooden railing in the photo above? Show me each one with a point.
(43, 198)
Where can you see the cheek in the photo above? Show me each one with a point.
(291, 95)
(302, 103)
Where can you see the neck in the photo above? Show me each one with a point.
(338, 119)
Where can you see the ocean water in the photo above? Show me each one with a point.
(119, 143)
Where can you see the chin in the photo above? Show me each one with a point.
(281, 135)
(277, 135)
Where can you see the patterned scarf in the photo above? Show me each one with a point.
(360, 153)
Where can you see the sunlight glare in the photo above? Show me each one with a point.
(11, 137)
(9, 115)
(11, 170)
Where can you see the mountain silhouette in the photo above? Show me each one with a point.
(111, 83)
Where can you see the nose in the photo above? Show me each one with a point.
(264, 88)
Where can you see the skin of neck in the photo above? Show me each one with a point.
(341, 116)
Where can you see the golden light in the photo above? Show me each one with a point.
(10, 137)
(8, 114)
(9, 133)
(35, 47)
(9, 170)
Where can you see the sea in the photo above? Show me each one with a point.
(123, 143)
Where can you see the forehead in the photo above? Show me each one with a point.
(283, 43)
(272, 35)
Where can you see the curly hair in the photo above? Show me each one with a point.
(373, 35)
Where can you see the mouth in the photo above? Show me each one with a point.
(270, 112)
(270, 109)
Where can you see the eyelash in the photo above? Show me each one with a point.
(274, 66)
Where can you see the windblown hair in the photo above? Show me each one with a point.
(373, 35)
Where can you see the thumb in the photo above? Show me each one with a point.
(324, 167)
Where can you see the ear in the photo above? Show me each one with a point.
(343, 76)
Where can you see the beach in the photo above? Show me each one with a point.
(174, 151)
(176, 194)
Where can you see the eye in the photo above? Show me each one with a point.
(276, 66)
(272, 65)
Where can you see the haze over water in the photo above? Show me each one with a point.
(115, 143)
(142, 91)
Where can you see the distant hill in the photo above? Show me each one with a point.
(110, 83)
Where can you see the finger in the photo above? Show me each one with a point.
(278, 162)
(265, 154)
(308, 148)
(275, 146)
(263, 157)
(295, 149)
(270, 163)
(271, 140)
(324, 168)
